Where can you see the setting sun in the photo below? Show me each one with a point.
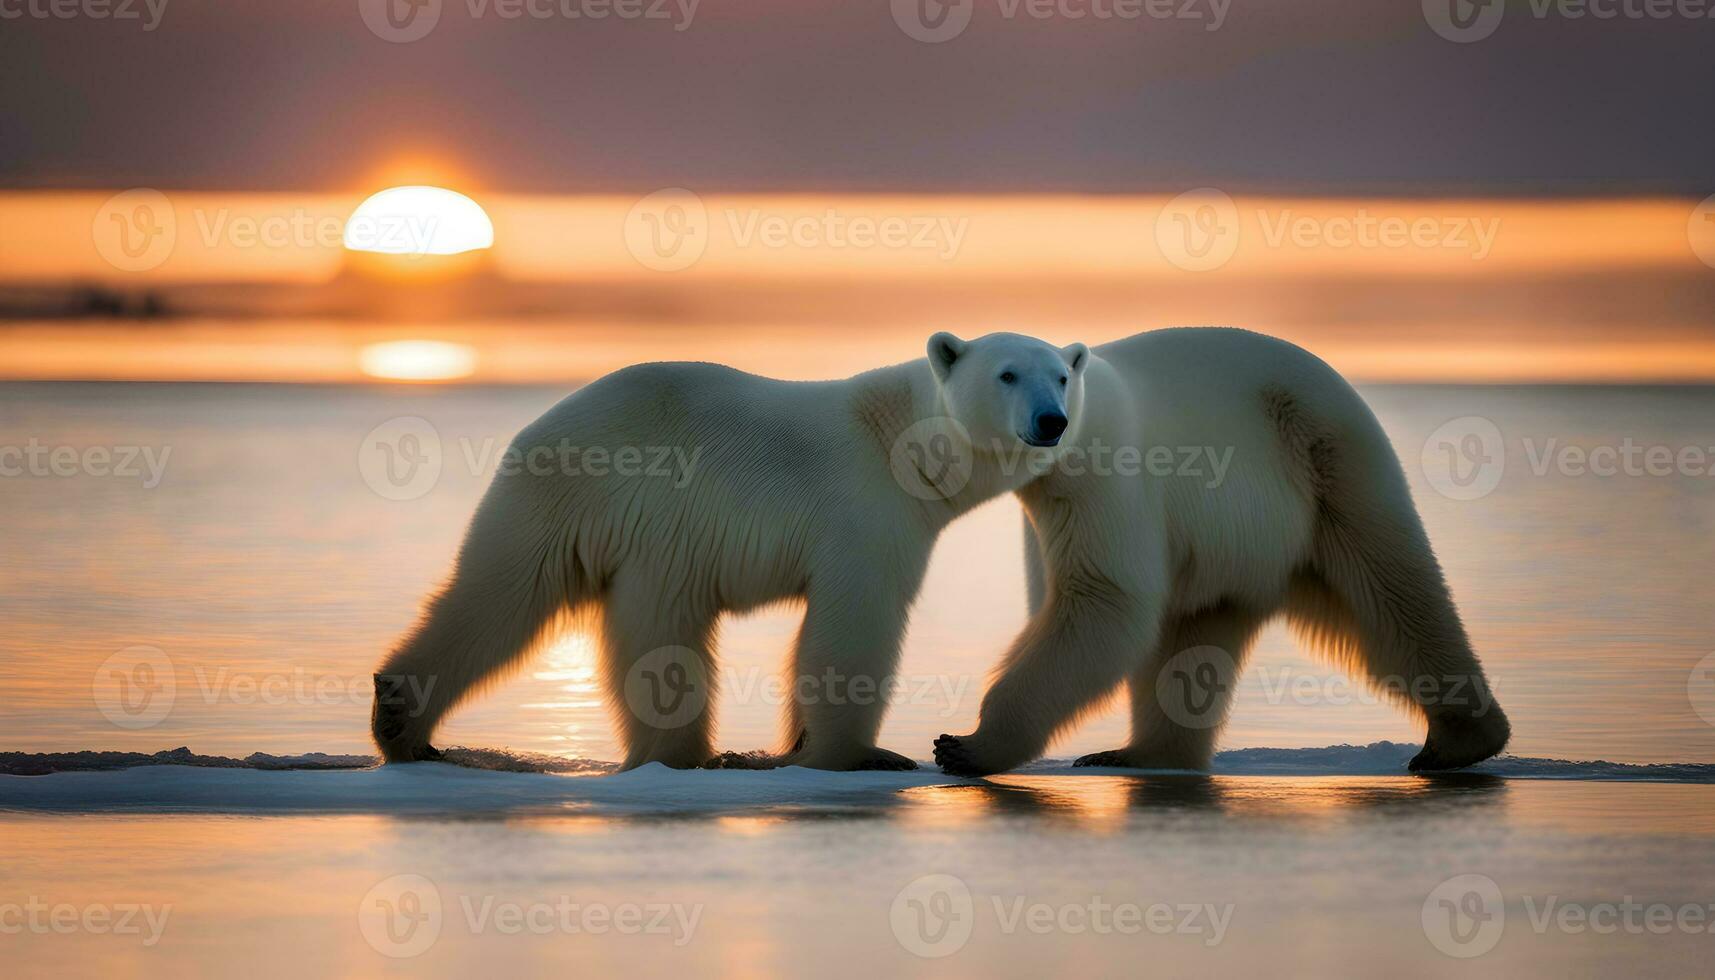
(418, 220)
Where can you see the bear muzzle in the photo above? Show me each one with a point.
(1046, 429)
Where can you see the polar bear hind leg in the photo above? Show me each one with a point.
(658, 669)
(511, 585)
(1373, 598)
(843, 663)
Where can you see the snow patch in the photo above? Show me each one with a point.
(494, 780)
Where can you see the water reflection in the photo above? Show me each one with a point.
(1113, 800)
(1089, 804)
(574, 715)
(1314, 868)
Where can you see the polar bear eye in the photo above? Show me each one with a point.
(1062, 381)
(1007, 377)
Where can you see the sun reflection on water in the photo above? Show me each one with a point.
(568, 664)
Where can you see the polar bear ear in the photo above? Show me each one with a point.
(944, 349)
(1076, 355)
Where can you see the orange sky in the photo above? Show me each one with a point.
(1211, 259)
(295, 237)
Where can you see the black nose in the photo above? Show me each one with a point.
(1049, 426)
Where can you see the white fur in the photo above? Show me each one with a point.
(796, 494)
(793, 496)
(1133, 574)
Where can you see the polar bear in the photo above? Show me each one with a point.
(833, 493)
(1159, 579)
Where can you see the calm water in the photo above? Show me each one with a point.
(271, 577)
(1015, 876)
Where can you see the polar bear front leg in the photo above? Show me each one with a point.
(842, 674)
(659, 671)
(1181, 694)
(1073, 653)
(1100, 617)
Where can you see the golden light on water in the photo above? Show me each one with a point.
(569, 666)
(571, 658)
(417, 360)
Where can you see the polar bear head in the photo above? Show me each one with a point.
(1005, 388)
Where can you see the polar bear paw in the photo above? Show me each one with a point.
(873, 758)
(1171, 758)
(960, 756)
(394, 721)
(1112, 759)
(883, 760)
(396, 744)
(1455, 742)
(424, 752)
